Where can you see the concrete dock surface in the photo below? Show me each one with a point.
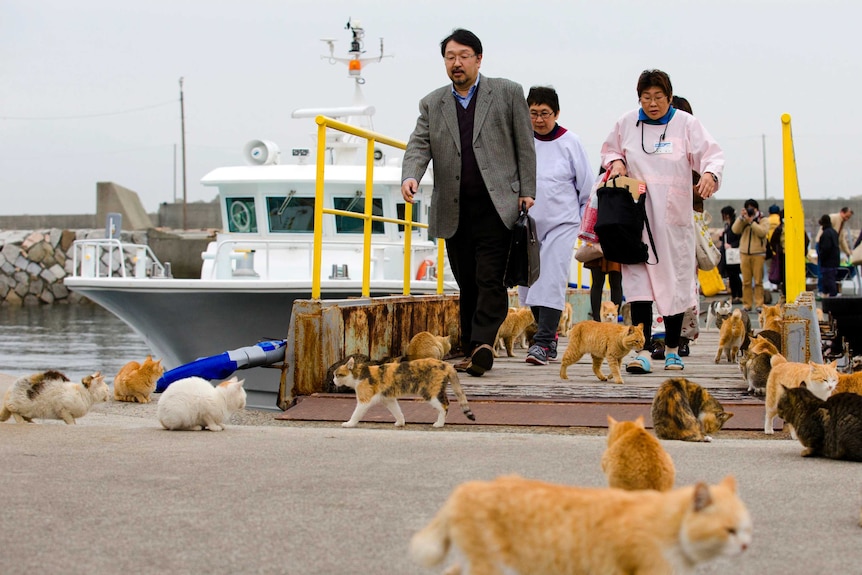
(118, 494)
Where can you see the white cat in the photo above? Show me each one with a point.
(717, 312)
(50, 395)
(192, 404)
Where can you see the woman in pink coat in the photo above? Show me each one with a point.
(662, 146)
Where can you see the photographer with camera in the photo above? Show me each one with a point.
(752, 251)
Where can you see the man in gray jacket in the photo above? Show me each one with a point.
(477, 131)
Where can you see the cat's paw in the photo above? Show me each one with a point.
(768, 431)
(348, 424)
(399, 423)
(707, 438)
(438, 424)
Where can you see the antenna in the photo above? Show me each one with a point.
(357, 47)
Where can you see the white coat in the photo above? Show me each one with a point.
(671, 283)
(563, 183)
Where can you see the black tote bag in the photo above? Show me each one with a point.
(620, 223)
(522, 265)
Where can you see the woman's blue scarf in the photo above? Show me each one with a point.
(663, 120)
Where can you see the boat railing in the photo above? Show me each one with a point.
(109, 257)
(235, 257)
(371, 138)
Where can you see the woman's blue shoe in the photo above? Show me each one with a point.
(673, 361)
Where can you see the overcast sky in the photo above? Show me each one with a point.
(89, 89)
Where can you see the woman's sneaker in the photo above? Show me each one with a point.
(552, 350)
(537, 355)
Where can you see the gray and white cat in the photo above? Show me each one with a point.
(193, 404)
(50, 395)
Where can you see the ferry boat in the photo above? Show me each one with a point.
(262, 259)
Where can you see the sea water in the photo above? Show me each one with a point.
(75, 339)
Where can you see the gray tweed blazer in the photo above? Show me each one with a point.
(502, 141)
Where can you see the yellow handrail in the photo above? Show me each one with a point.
(794, 218)
(323, 123)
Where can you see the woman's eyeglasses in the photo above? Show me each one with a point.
(544, 114)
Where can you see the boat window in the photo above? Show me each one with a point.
(417, 206)
(240, 215)
(347, 225)
(290, 214)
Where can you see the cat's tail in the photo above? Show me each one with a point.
(430, 545)
(459, 393)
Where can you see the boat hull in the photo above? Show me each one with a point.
(184, 320)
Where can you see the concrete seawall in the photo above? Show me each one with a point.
(34, 263)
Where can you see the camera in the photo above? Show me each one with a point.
(751, 212)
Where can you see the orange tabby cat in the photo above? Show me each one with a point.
(426, 344)
(602, 340)
(516, 525)
(513, 329)
(565, 320)
(136, 381)
(820, 378)
(635, 459)
(609, 312)
(730, 337)
(771, 317)
(849, 382)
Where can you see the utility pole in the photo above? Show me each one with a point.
(183, 130)
(763, 140)
(175, 173)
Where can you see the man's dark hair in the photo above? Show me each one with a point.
(539, 95)
(655, 79)
(681, 103)
(462, 37)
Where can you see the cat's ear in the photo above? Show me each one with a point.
(834, 364)
(238, 382)
(729, 483)
(611, 421)
(349, 364)
(724, 416)
(640, 422)
(702, 498)
(802, 385)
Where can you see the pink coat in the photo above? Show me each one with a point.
(671, 283)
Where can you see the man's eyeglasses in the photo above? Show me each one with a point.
(544, 114)
(463, 57)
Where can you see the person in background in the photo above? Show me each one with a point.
(601, 268)
(752, 252)
(729, 239)
(563, 182)
(839, 222)
(828, 256)
(477, 131)
(661, 146)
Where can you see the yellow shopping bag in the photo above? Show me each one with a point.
(710, 282)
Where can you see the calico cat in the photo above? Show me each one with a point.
(849, 382)
(193, 404)
(386, 383)
(565, 320)
(50, 395)
(717, 312)
(602, 340)
(426, 344)
(681, 409)
(820, 378)
(516, 525)
(513, 329)
(635, 459)
(756, 365)
(730, 337)
(608, 312)
(831, 428)
(136, 381)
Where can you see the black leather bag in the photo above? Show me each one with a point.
(620, 223)
(522, 265)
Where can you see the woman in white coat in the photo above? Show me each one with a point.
(662, 146)
(563, 182)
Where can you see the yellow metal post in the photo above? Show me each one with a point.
(794, 218)
(317, 251)
(441, 244)
(369, 211)
(408, 243)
